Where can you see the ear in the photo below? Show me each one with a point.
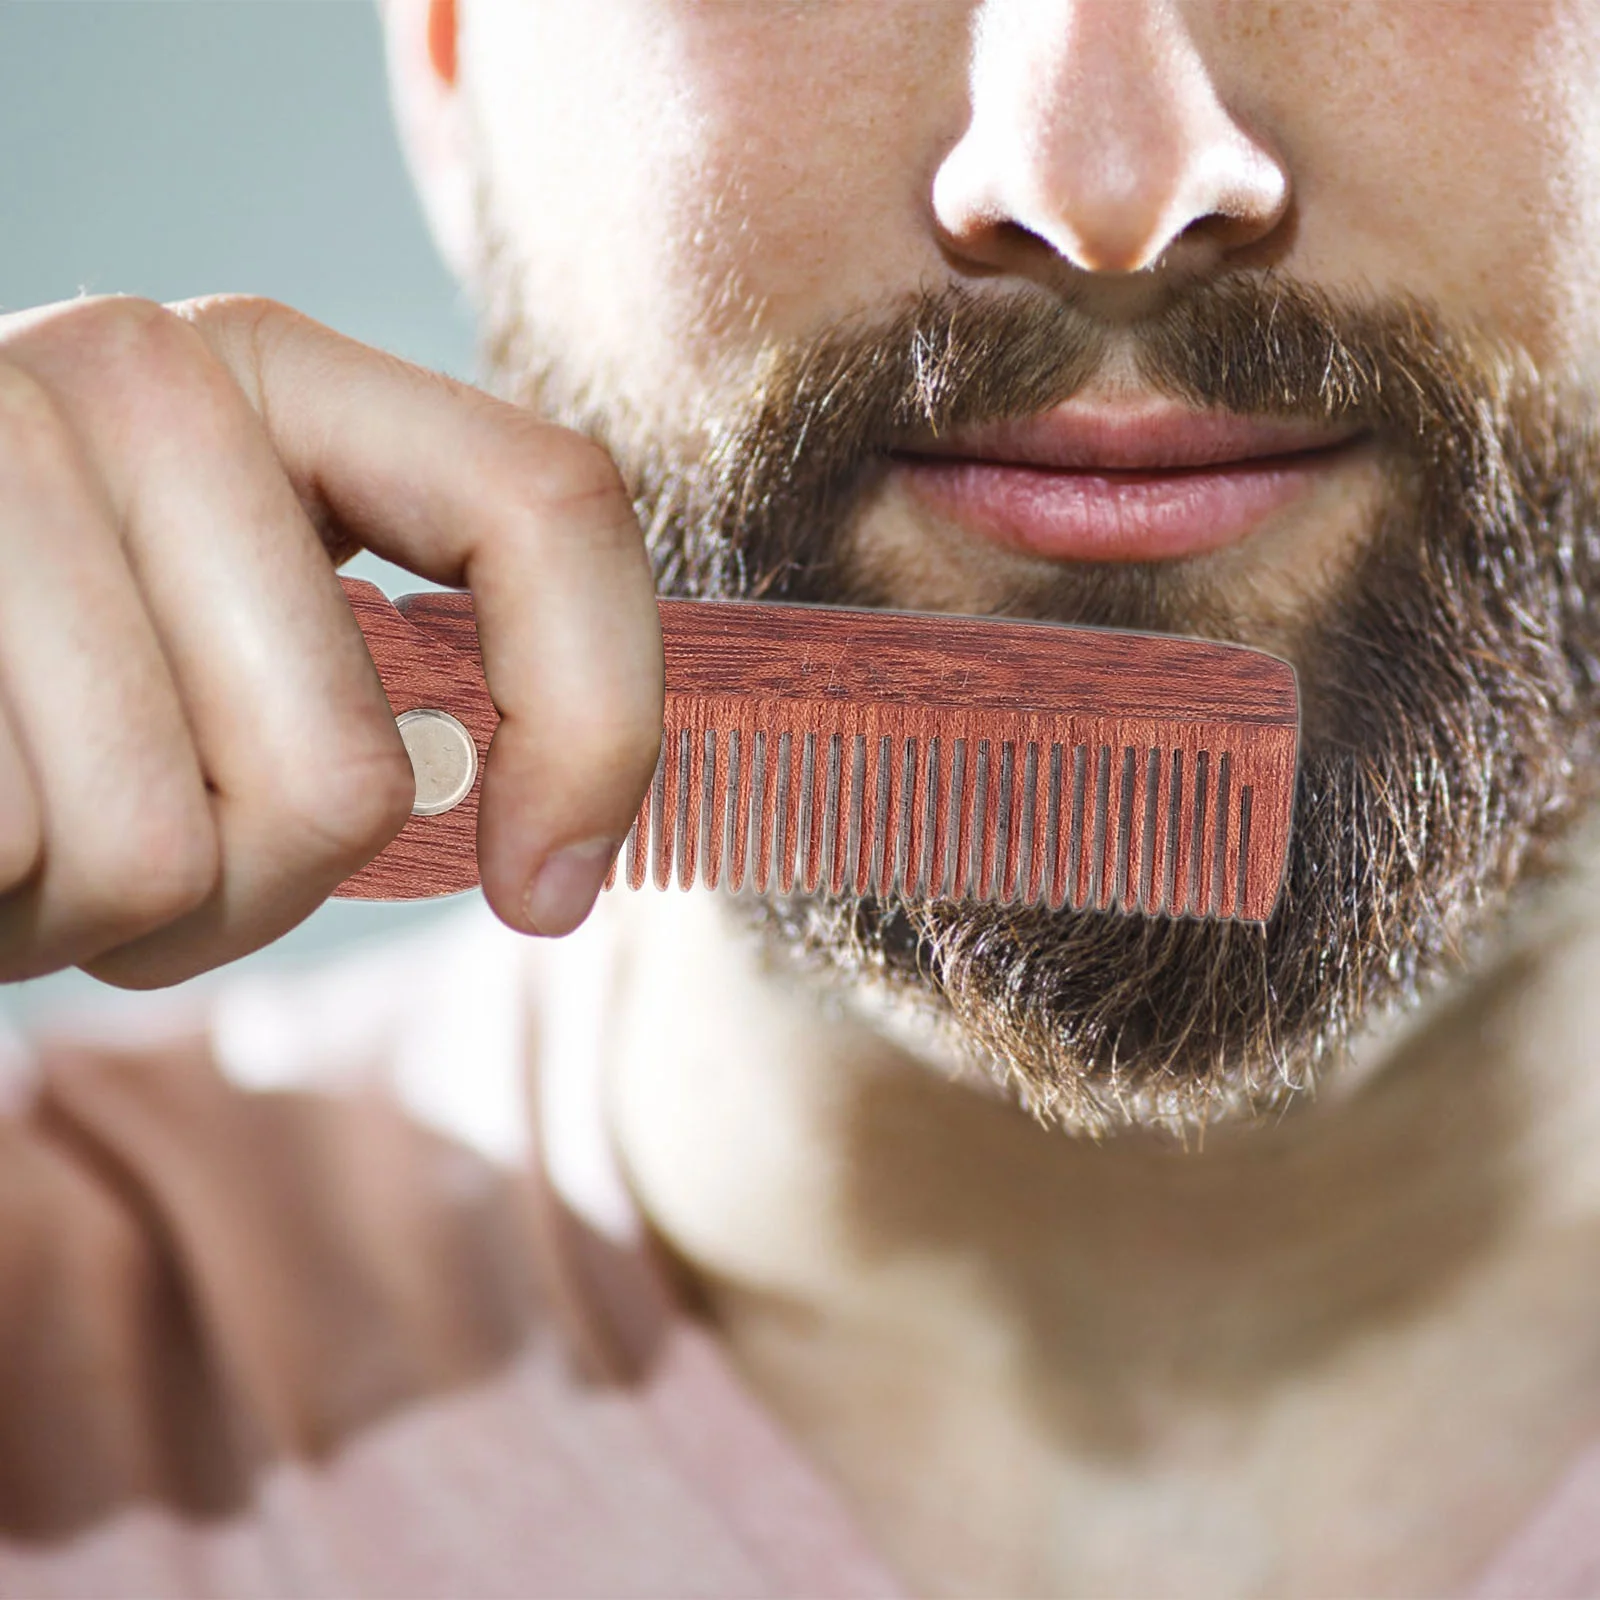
(431, 112)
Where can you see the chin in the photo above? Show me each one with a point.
(870, 962)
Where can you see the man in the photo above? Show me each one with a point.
(937, 1248)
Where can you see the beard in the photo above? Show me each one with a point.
(1448, 679)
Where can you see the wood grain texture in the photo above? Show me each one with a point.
(423, 669)
(927, 755)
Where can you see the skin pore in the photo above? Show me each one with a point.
(1341, 1349)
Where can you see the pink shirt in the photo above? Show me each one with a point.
(328, 1285)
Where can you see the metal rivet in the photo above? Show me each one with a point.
(443, 758)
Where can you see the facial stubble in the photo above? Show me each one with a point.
(1449, 682)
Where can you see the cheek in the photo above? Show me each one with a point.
(591, 157)
(680, 180)
(1449, 148)
(828, 119)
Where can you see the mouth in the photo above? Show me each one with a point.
(1096, 482)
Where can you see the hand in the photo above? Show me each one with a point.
(194, 746)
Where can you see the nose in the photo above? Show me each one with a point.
(1098, 136)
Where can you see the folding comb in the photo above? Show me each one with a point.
(877, 752)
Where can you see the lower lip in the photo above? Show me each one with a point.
(1115, 516)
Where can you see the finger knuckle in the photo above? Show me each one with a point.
(566, 471)
(133, 365)
(245, 332)
(122, 334)
(242, 311)
(132, 361)
(348, 807)
(161, 866)
(32, 430)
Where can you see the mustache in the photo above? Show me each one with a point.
(1264, 346)
(759, 511)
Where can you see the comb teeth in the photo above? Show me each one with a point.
(1085, 822)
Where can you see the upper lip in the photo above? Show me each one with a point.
(1149, 436)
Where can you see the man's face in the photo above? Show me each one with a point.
(774, 252)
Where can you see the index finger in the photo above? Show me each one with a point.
(535, 520)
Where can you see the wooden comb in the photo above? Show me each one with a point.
(870, 751)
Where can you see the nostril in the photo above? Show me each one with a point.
(1238, 235)
(1101, 143)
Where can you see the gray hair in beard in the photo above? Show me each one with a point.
(1449, 687)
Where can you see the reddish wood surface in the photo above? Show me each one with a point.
(1152, 740)
(430, 855)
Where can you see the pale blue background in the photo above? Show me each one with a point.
(179, 147)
